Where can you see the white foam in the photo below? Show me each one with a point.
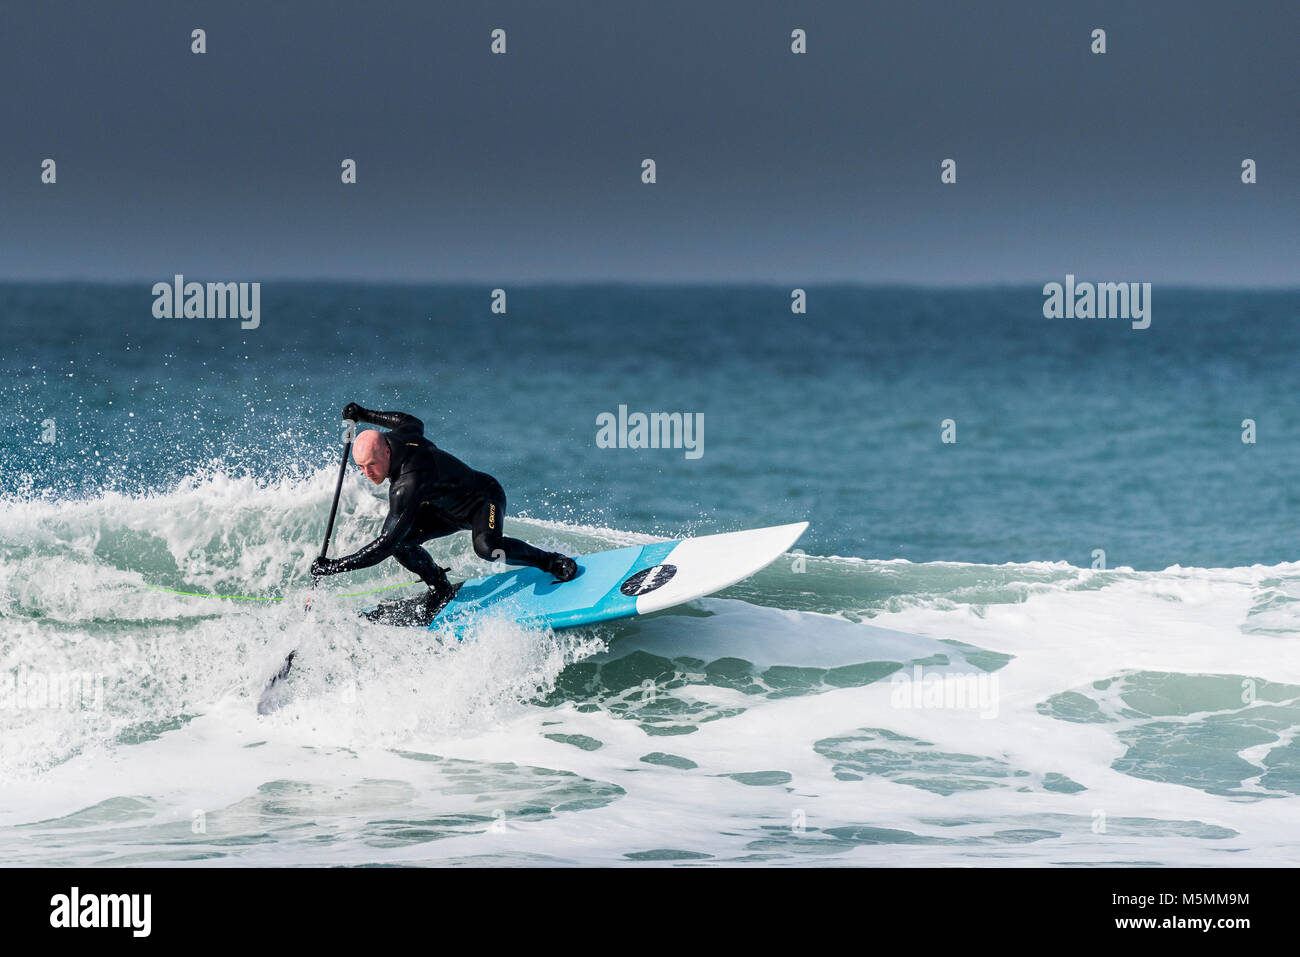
(366, 695)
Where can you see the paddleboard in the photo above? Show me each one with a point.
(620, 583)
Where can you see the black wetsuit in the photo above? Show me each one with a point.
(431, 494)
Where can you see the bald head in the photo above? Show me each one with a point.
(371, 453)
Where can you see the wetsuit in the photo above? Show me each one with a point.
(431, 494)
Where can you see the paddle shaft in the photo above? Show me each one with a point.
(338, 490)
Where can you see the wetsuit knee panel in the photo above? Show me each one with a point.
(488, 547)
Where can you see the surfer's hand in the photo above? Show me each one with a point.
(322, 567)
(353, 411)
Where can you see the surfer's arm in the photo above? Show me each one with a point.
(401, 517)
(387, 420)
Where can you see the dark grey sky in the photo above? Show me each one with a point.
(771, 166)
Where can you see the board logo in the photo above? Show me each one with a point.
(648, 580)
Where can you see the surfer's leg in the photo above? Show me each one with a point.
(415, 559)
(422, 610)
(490, 545)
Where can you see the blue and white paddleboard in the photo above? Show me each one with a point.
(620, 583)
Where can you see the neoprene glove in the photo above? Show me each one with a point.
(322, 567)
(353, 411)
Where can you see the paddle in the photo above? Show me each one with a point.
(349, 433)
(265, 704)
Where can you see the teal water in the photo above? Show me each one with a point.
(1071, 435)
(1142, 712)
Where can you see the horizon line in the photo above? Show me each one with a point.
(661, 283)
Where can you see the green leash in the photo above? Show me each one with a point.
(199, 594)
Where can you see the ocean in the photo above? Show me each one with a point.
(1044, 612)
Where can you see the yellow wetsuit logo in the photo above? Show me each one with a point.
(492, 516)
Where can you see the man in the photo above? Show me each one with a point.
(431, 494)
